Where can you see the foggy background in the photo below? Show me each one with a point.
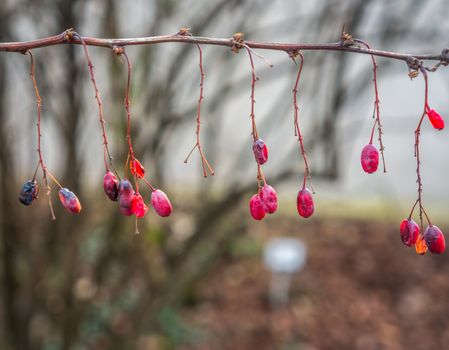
(196, 280)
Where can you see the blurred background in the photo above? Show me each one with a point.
(197, 280)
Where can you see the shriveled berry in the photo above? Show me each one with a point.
(434, 239)
(409, 230)
(269, 199)
(260, 151)
(69, 201)
(110, 185)
(138, 206)
(29, 192)
(304, 203)
(256, 207)
(161, 203)
(136, 168)
(125, 196)
(369, 158)
(420, 245)
(435, 118)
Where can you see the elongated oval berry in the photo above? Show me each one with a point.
(125, 196)
(161, 203)
(269, 199)
(256, 207)
(434, 239)
(420, 245)
(69, 201)
(138, 206)
(260, 151)
(304, 203)
(29, 192)
(435, 118)
(110, 185)
(409, 230)
(369, 158)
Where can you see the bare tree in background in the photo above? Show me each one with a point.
(86, 282)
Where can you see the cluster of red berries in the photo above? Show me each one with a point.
(433, 238)
(131, 201)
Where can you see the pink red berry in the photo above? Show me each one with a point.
(409, 230)
(369, 158)
(69, 201)
(434, 239)
(256, 207)
(304, 203)
(125, 196)
(269, 199)
(161, 203)
(110, 185)
(29, 192)
(435, 118)
(138, 206)
(260, 151)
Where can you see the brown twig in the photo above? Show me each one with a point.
(296, 123)
(39, 134)
(204, 161)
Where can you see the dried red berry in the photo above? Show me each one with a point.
(125, 196)
(269, 199)
(69, 201)
(161, 203)
(420, 245)
(29, 192)
(138, 206)
(304, 203)
(369, 158)
(136, 168)
(110, 185)
(260, 151)
(409, 230)
(434, 239)
(256, 207)
(435, 118)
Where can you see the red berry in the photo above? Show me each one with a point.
(434, 239)
(69, 201)
(369, 158)
(138, 206)
(256, 207)
(269, 199)
(409, 230)
(110, 185)
(304, 203)
(161, 203)
(435, 118)
(260, 151)
(125, 196)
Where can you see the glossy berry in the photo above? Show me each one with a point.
(304, 203)
(420, 245)
(435, 118)
(138, 207)
(69, 201)
(256, 207)
(260, 151)
(29, 192)
(434, 239)
(369, 158)
(269, 199)
(409, 230)
(161, 203)
(125, 196)
(110, 185)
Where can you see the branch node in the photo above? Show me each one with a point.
(237, 41)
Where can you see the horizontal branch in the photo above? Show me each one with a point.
(67, 37)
